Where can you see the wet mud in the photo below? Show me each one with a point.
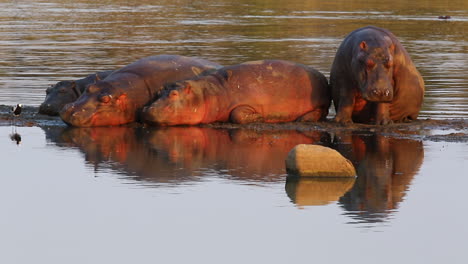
(449, 130)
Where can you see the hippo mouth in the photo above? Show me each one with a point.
(150, 115)
(49, 109)
(77, 119)
(373, 94)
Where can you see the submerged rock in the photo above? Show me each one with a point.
(318, 161)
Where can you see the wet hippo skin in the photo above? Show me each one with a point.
(64, 92)
(119, 98)
(267, 91)
(373, 79)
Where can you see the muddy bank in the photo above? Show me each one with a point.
(450, 130)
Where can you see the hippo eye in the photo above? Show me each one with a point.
(62, 90)
(105, 98)
(91, 89)
(388, 62)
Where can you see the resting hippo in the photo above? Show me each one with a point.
(373, 79)
(64, 92)
(260, 91)
(119, 98)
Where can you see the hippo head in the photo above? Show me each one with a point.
(101, 104)
(179, 104)
(57, 96)
(374, 67)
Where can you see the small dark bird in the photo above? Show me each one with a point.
(445, 17)
(16, 137)
(17, 109)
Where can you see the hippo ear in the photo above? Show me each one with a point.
(363, 45)
(197, 71)
(188, 88)
(97, 77)
(392, 48)
(122, 97)
(105, 98)
(121, 101)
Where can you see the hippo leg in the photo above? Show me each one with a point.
(405, 119)
(245, 114)
(383, 114)
(312, 116)
(344, 110)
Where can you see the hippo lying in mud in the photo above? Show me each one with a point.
(373, 79)
(64, 92)
(261, 91)
(119, 98)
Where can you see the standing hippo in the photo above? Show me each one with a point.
(120, 97)
(373, 79)
(64, 92)
(260, 91)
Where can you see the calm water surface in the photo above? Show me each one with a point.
(42, 42)
(178, 195)
(193, 195)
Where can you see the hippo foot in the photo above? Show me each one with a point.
(383, 121)
(342, 120)
(405, 119)
(245, 114)
(312, 116)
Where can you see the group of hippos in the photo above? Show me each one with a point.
(372, 80)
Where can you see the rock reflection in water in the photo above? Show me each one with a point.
(304, 191)
(184, 154)
(385, 168)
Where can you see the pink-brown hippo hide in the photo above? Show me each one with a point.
(64, 92)
(260, 91)
(120, 97)
(373, 79)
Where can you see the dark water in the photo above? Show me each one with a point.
(203, 195)
(42, 42)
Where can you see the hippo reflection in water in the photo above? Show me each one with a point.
(177, 154)
(385, 168)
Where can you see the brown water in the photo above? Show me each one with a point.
(42, 42)
(202, 195)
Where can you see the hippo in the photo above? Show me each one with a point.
(267, 91)
(64, 92)
(373, 79)
(119, 98)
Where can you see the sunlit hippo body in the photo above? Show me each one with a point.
(262, 91)
(64, 92)
(373, 79)
(120, 97)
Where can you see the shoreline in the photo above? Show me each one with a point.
(446, 130)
